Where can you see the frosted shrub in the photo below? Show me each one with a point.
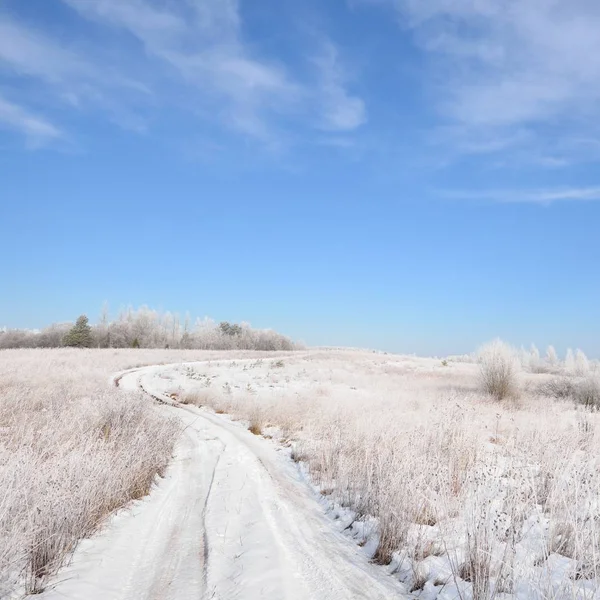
(498, 369)
(583, 390)
(559, 387)
(587, 392)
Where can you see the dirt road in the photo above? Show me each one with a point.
(231, 519)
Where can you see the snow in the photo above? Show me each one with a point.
(234, 517)
(231, 519)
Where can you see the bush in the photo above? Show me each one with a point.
(587, 392)
(498, 369)
(559, 387)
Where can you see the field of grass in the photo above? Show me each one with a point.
(73, 449)
(458, 493)
(461, 495)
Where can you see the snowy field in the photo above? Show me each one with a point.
(430, 487)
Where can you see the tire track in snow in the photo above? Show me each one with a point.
(205, 546)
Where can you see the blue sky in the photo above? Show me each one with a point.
(398, 174)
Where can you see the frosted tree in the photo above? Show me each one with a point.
(145, 327)
(551, 356)
(569, 361)
(102, 334)
(120, 334)
(206, 335)
(582, 365)
(175, 329)
(166, 327)
(524, 358)
(534, 359)
(53, 335)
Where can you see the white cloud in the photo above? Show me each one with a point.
(37, 130)
(189, 54)
(512, 65)
(64, 77)
(341, 111)
(536, 196)
(27, 52)
(201, 42)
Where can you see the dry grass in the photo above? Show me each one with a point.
(73, 449)
(255, 428)
(502, 488)
(501, 496)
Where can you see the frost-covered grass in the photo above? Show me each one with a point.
(73, 449)
(471, 497)
(460, 494)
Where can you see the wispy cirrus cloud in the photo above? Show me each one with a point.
(36, 129)
(191, 55)
(341, 110)
(200, 42)
(67, 78)
(531, 196)
(526, 73)
(27, 52)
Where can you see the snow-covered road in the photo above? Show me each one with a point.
(232, 519)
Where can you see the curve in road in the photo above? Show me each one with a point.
(232, 519)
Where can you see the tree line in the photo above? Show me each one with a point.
(146, 328)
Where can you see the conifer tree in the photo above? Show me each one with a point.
(80, 335)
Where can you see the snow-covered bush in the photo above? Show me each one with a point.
(558, 387)
(582, 390)
(498, 369)
(587, 392)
